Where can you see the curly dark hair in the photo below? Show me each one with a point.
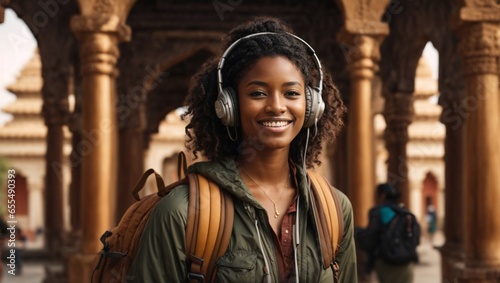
(208, 135)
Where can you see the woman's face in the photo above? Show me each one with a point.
(272, 103)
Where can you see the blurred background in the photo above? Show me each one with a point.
(91, 94)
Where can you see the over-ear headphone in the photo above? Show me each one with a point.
(226, 106)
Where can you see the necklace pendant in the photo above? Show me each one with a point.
(276, 212)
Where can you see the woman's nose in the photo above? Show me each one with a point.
(276, 104)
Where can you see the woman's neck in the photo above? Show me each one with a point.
(267, 167)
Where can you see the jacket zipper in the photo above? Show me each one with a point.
(251, 212)
(296, 240)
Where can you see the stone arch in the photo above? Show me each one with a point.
(169, 169)
(430, 191)
(170, 93)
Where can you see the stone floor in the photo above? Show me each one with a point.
(427, 271)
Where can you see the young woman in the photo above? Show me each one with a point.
(260, 114)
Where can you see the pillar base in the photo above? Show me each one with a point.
(55, 273)
(476, 274)
(80, 268)
(451, 255)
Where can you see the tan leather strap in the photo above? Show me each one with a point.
(181, 165)
(142, 181)
(209, 227)
(224, 234)
(328, 213)
(192, 225)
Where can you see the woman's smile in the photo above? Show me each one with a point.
(272, 102)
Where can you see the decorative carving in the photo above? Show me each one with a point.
(365, 10)
(363, 55)
(480, 14)
(99, 53)
(480, 39)
(366, 27)
(398, 113)
(482, 3)
(105, 23)
(412, 26)
(103, 7)
(480, 47)
(100, 8)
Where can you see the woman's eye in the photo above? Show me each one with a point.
(257, 93)
(292, 93)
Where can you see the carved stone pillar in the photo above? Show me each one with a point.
(75, 158)
(480, 47)
(131, 165)
(133, 89)
(54, 112)
(452, 251)
(398, 113)
(100, 28)
(362, 65)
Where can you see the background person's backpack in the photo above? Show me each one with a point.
(399, 240)
(120, 244)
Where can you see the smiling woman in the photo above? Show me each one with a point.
(272, 103)
(250, 113)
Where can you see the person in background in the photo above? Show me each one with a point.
(431, 218)
(369, 238)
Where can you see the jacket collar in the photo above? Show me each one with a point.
(225, 173)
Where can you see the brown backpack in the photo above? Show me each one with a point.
(121, 243)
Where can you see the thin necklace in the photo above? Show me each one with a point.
(276, 211)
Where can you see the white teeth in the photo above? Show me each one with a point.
(275, 124)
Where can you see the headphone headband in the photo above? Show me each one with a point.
(226, 102)
(223, 58)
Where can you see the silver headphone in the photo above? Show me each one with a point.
(226, 104)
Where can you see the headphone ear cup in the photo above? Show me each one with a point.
(314, 107)
(309, 103)
(226, 107)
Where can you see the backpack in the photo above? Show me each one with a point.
(399, 240)
(113, 262)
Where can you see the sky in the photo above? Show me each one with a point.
(17, 46)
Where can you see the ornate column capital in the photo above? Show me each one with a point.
(100, 36)
(480, 10)
(100, 27)
(81, 25)
(106, 16)
(478, 25)
(361, 35)
(363, 53)
(480, 47)
(363, 16)
(99, 53)
(398, 114)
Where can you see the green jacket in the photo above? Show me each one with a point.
(161, 253)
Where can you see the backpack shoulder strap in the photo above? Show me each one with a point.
(328, 212)
(209, 227)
